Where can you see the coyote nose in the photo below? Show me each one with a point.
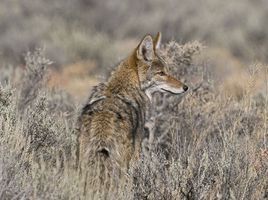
(185, 87)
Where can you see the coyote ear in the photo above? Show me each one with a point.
(157, 41)
(145, 49)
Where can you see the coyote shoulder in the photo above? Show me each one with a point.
(112, 122)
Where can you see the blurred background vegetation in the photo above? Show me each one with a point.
(91, 35)
(85, 38)
(73, 30)
(89, 29)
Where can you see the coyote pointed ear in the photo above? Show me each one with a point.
(157, 41)
(145, 49)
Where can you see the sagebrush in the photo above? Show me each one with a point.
(205, 145)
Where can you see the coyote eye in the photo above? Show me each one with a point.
(161, 73)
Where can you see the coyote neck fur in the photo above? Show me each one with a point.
(124, 79)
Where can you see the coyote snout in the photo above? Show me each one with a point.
(163, 82)
(113, 120)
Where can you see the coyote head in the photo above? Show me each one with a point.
(152, 70)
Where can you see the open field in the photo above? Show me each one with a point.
(210, 143)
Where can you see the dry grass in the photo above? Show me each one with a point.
(202, 145)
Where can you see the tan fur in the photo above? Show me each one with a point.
(112, 122)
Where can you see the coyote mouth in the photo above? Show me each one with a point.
(171, 91)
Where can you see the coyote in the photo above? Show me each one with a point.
(112, 122)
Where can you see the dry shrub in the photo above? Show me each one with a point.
(201, 145)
